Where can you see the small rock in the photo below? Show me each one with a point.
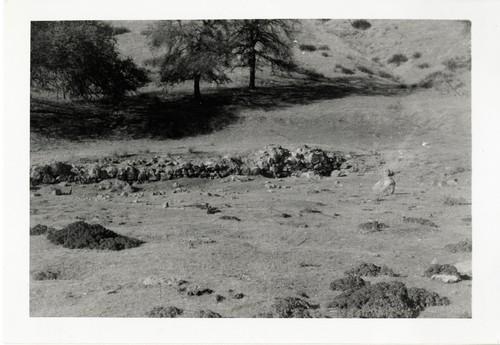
(36, 194)
(342, 173)
(165, 205)
(464, 267)
(385, 186)
(452, 182)
(57, 191)
(434, 261)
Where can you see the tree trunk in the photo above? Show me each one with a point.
(251, 63)
(197, 93)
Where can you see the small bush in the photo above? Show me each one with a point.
(372, 226)
(451, 201)
(323, 47)
(349, 283)
(40, 230)
(307, 47)
(417, 55)
(346, 71)
(421, 221)
(46, 275)
(365, 70)
(208, 314)
(370, 270)
(385, 300)
(361, 24)
(290, 307)
(376, 59)
(459, 247)
(398, 59)
(119, 30)
(325, 54)
(168, 312)
(423, 65)
(457, 63)
(82, 235)
(385, 75)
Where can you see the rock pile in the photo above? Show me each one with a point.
(272, 161)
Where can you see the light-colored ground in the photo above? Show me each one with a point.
(261, 255)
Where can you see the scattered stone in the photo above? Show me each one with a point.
(168, 312)
(445, 278)
(421, 221)
(165, 205)
(370, 270)
(285, 215)
(208, 314)
(373, 226)
(464, 246)
(81, 235)
(219, 298)
(452, 182)
(349, 283)
(385, 300)
(212, 210)
(236, 295)
(385, 186)
(153, 281)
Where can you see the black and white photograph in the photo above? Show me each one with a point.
(255, 168)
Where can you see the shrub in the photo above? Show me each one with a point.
(376, 59)
(325, 54)
(290, 307)
(307, 47)
(423, 65)
(398, 59)
(418, 220)
(361, 24)
(385, 75)
(208, 314)
(417, 55)
(83, 235)
(451, 201)
(120, 30)
(323, 47)
(457, 63)
(46, 275)
(442, 269)
(372, 226)
(459, 247)
(346, 70)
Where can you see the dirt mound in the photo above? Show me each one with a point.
(385, 300)
(82, 235)
(421, 221)
(370, 227)
(208, 314)
(40, 230)
(459, 247)
(164, 312)
(370, 270)
(290, 307)
(348, 283)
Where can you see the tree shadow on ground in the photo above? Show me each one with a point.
(172, 116)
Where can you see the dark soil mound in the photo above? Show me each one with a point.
(385, 300)
(46, 275)
(442, 269)
(370, 270)
(164, 312)
(290, 307)
(349, 283)
(374, 226)
(460, 247)
(208, 314)
(40, 230)
(82, 235)
(421, 221)
(230, 218)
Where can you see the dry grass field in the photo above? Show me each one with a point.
(273, 237)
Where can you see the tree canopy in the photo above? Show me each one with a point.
(193, 50)
(263, 41)
(80, 59)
